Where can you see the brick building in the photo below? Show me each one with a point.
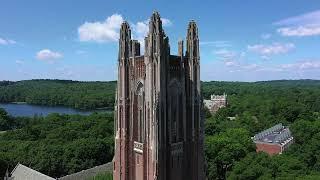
(274, 140)
(159, 126)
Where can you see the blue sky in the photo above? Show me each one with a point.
(239, 40)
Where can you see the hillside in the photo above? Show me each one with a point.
(92, 95)
(79, 95)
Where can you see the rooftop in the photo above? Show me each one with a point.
(26, 173)
(275, 135)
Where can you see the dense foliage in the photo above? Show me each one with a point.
(257, 106)
(9, 123)
(79, 95)
(58, 145)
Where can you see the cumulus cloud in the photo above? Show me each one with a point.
(307, 24)
(108, 30)
(6, 41)
(101, 31)
(141, 29)
(48, 55)
(166, 22)
(273, 49)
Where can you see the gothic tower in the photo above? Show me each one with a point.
(158, 122)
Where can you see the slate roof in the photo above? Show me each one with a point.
(22, 172)
(88, 173)
(275, 135)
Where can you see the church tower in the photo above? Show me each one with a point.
(158, 122)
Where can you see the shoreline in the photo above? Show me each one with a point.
(18, 102)
(79, 109)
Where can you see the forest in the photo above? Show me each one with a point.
(229, 150)
(75, 94)
(59, 144)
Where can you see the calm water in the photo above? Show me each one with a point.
(31, 110)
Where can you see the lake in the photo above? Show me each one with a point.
(31, 110)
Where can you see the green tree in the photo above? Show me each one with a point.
(224, 149)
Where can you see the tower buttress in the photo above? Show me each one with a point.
(123, 105)
(157, 56)
(194, 101)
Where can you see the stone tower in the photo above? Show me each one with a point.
(158, 111)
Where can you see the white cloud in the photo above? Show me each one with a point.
(307, 30)
(81, 52)
(166, 22)
(7, 41)
(266, 36)
(105, 31)
(218, 44)
(273, 49)
(265, 57)
(234, 61)
(48, 55)
(141, 29)
(302, 65)
(225, 54)
(307, 18)
(108, 30)
(230, 63)
(307, 24)
(237, 66)
(20, 62)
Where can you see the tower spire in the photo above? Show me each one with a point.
(155, 24)
(192, 40)
(124, 41)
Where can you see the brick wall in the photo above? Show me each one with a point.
(268, 148)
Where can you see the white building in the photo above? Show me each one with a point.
(216, 102)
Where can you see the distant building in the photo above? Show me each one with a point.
(216, 102)
(22, 172)
(274, 140)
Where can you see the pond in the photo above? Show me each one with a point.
(31, 110)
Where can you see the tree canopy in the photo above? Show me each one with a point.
(79, 95)
(58, 145)
(258, 106)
